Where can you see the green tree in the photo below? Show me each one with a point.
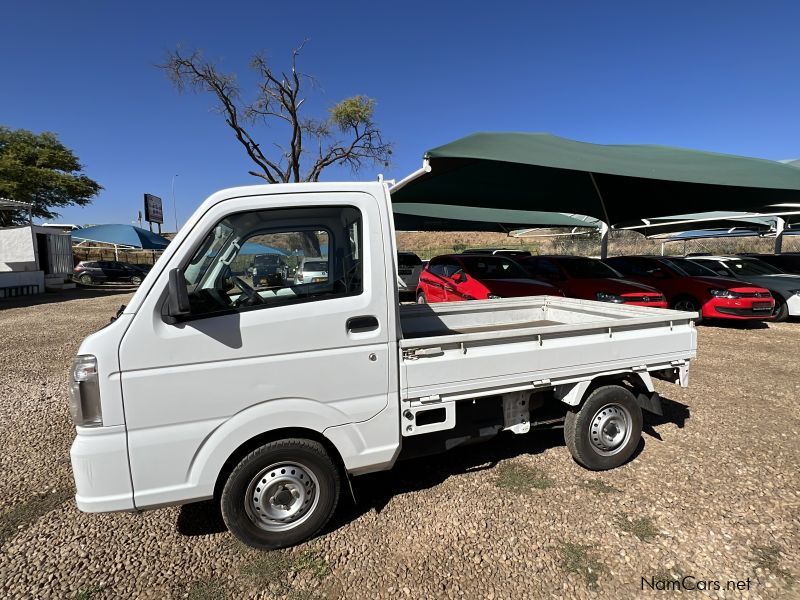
(39, 169)
(347, 136)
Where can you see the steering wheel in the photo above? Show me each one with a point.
(251, 296)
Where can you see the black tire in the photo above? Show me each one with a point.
(688, 304)
(136, 280)
(421, 298)
(605, 408)
(781, 312)
(321, 493)
(86, 279)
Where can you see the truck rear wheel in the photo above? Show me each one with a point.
(280, 494)
(606, 430)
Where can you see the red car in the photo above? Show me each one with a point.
(592, 279)
(477, 277)
(693, 287)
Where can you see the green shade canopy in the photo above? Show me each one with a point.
(527, 171)
(438, 217)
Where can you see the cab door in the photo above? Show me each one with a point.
(315, 354)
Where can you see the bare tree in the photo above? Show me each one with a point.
(348, 136)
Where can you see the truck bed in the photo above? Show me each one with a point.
(460, 349)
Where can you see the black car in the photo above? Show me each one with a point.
(270, 268)
(101, 271)
(788, 262)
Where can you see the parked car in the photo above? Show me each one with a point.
(691, 286)
(269, 401)
(88, 272)
(456, 277)
(788, 262)
(270, 269)
(591, 279)
(409, 267)
(510, 252)
(785, 288)
(312, 270)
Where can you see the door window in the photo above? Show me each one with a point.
(318, 249)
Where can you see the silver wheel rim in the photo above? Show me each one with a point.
(610, 429)
(421, 299)
(282, 496)
(685, 305)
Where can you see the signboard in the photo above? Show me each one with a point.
(152, 209)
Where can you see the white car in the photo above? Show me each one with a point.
(409, 267)
(312, 270)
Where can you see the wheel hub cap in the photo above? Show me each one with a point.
(281, 496)
(611, 429)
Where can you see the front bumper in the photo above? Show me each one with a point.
(100, 467)
(739, 308)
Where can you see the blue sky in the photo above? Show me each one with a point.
(711, 75)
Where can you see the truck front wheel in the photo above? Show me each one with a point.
(280, 494)
(606, 430)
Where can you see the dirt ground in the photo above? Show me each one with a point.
(712, 499)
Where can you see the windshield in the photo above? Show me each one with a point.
(315, 266)
(684, 266)
(751, 267)
(493, 267)
(587, 268)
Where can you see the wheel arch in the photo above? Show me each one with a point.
(575, 394)
(271, 436)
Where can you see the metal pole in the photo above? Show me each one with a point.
(780, 226)
(174, 207)
(603, 240)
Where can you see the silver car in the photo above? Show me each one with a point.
(312, 270)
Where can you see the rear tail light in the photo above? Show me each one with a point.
(84, 392)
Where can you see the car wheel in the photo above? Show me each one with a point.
(781, 311)
(280, 494)
(604, 433)
(421, 299)
(85, 279)
(688, 304)
(136, 280)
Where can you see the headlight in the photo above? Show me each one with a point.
(724, 294)
(493, 297)
(606, 297)
(84, 393)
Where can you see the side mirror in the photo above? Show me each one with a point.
(177, 296)
(459, 277)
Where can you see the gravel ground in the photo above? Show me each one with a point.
(713, 495)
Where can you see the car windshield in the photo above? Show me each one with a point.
(684, 266)
(407, 259)
(493, 267)
(751, 267)
(317, 265)
(587, 268)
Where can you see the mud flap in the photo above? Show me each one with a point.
(651, 402)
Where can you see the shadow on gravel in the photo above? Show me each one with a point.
(674, 412)
(200, 518)
(731, 324)
(375, 491)
(79, 293)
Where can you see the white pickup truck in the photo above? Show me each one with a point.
(205, 386)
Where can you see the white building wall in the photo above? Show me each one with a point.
(17, 249)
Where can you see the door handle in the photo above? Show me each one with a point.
(361, 324)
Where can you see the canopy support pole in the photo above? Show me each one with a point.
(116, 253)
(780, 226)
(604, 227)
(604, 240)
